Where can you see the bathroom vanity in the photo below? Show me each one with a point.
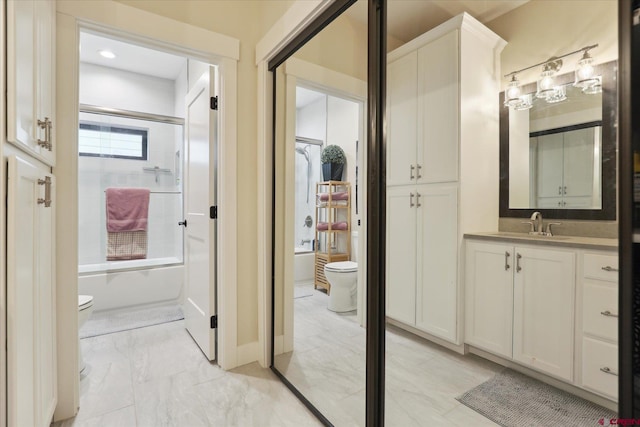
(548, 303)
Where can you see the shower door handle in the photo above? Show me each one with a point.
(183, 223)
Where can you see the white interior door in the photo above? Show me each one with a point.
(200, 196)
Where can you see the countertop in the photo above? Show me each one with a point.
(565, 241)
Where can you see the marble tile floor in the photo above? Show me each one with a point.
(157, 376)
(422, 381)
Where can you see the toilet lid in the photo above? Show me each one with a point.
(343, 266)
(85, 301)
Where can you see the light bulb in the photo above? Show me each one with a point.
(512, 94)
(585, 73)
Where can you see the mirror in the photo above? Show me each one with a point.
(559, 158)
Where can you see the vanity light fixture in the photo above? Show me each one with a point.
(547, 88)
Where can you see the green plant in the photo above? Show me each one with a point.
(332, 154)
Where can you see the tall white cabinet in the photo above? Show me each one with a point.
(442, 168)
(31, 350)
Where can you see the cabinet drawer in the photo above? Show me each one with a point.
(600, 309)
(598, 356)
(601, 267)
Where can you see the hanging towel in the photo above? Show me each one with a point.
(127, 209)
(127, 219)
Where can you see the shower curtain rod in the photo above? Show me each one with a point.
(86, 108)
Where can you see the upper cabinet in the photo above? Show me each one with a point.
(31, 77)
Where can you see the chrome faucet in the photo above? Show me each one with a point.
(536, 219)
(305, 241)
(536, 225)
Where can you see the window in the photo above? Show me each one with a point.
(99, 140)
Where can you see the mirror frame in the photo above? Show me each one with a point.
(608, 71)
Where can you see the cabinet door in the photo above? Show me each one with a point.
(30, 74)
(30, 299)
(438, 110)
(437, 256)
(401, 254)
(489, 296)
(549, 168)
(401, 120)
(578, 163)
(543, 312)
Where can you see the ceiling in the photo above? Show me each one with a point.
(130, 57)
(305, 97)
(407, 19)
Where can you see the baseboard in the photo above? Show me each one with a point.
(569, 388)
(446, 344)
(247, 353)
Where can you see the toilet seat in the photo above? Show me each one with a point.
(84, 301)
(342, 266)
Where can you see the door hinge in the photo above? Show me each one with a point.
(213, 212)
(214, 322)
(214, 102)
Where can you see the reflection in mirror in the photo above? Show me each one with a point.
(560, 158)
(555, 153)
(319, 342)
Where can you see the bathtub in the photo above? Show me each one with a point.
(303, 265)
(121, 284)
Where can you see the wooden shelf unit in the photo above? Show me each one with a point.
(331, 245)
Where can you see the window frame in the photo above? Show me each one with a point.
(143, 133)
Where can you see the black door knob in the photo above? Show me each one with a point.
(183, 223)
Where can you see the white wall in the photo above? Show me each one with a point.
(109, 87)
(311, 120)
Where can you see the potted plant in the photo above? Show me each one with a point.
(333, 160)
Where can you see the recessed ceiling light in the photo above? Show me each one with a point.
(107, 54)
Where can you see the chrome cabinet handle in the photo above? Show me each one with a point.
(608, 314)
(606, 370)
(609, 268)
(560, 204)
(506, 261)
(518, 258)
(419, 174)
(418, 199)
(411, 171)
(559, 190)
(411, 204)
(47, 191)
(564, 190)
(46, 125)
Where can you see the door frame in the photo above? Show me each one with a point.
(300, 73)
(121, 21)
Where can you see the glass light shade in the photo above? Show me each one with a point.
(559, 94)
(512, 94)
(526, 102)
(585, 73)
(594, 88)
(546, 84)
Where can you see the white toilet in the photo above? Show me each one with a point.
(85, 308)
(343, 278)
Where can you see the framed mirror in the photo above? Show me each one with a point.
(560, 158)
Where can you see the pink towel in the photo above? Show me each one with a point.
(127, 209)
(341, 225)
(341, 195)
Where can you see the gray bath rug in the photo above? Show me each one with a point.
(512, 399)
(108, 322)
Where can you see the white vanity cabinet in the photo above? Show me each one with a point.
(31, 296)
(599, 326)
(442, 136)
(519, 304)
(549, 306)
(31, 77)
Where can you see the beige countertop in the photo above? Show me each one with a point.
(565, 241)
